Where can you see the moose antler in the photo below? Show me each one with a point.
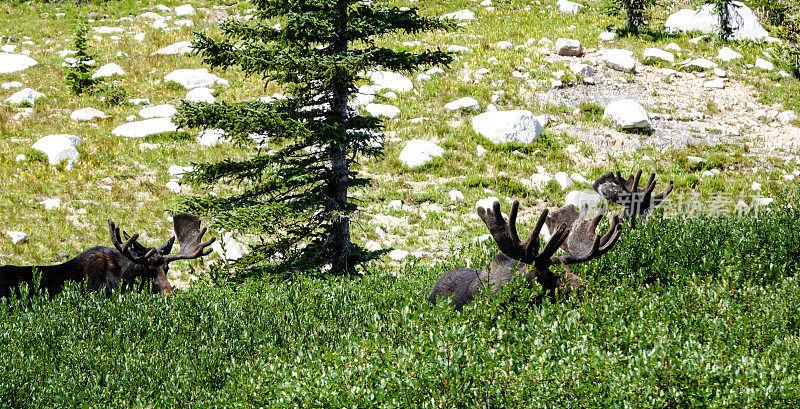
(626, 192)
(583, 244)
(126, 248)
(505, 235)
(189, 234)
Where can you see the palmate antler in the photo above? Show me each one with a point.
(128, 248)
(505, 235)
(583, 244)
(189, 233)
(625, 192)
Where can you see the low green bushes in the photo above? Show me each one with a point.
(699, 312)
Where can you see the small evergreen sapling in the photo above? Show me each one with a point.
(294, 194)
(79, 68)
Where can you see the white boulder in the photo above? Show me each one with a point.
(158, 111)
(764, 64)
(619, 59)
(627, 114)
(390, 80)
(140, 129)
(508, 126)
(563, 180)
(569, 7)
(210, 137)
(464, 15)
(382, 110)
(17, 237)
(467, 103)
(568, 47)
(11, 84)
(51, 204)
(15, 62)
(418, 152)
(744, 22)
(184, 10)
(194, 78)
(201, 95)
(456, 195)
(578, 198)
(658, 54)
(181, 47)
(87, 114)
(230, 248)
(108, 70)
(24, 96)
(583, 70)
(728, 54)
(58, 147)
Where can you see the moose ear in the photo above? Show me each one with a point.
(166, 248)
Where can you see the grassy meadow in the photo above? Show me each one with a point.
(696, 308)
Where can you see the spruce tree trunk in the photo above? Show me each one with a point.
(340, 229)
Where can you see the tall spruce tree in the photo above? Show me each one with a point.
(295, 196)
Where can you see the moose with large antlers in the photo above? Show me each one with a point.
(105, 267)
(573, 232)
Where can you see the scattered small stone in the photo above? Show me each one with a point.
(673, 47)
(467, 103)
(457, 48)
(140, 129)
(181, 47)
(701, 63)
(51, 204)
(391, 81)
(462, 15)
(210, 137)
(568, 47)
(619, 59)
(717, 83)
(569, 7)
(540, 180)
(398, 255)
(20, 158)
(755, 186)
(583, 70)
(504, 45)
(87, 114)
(727, 54)
(658, 54)
(395, 204)
(194, 78)
(608, 35)
(173, 186)
(764, 64)
(158, 111)
(17, 237)
(108, 70)
(456, 195)
(107, 30)
(786, 116)
(201, 94)
(563, 180)
(12, 84)
(382, 110)
(184, 10)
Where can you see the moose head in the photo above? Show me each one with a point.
(153, 263)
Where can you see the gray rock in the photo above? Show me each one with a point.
(467, 103)
(569, 7)
(583, 70)
(15, 62)
(382, 110)
(727, 54)
(508, 126)
(619, 59)
(184, 10)
(201, 95)
(17, 237)
(87, 114)
(744, 22)
(140, 129)
(627, 114)
(108, 70)
(158, 111)
(418, 152)
(658, 54)
(181, 47)
(462, 15)
(58, 147)
(24, 96)
(194, 78)
(390, 80)
(568, 47)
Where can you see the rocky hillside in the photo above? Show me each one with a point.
(543, 97)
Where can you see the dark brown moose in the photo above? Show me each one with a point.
(574, 233)
(105, 267)
(625, 192)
